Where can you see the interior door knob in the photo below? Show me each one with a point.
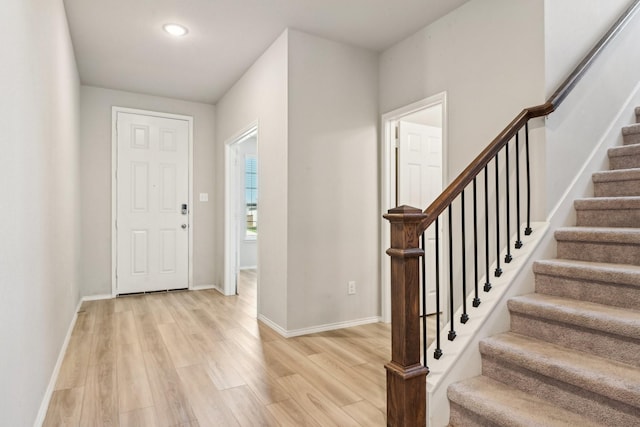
(184, 226)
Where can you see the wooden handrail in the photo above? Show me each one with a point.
(482, 160)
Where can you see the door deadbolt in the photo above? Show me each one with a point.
(184, 209)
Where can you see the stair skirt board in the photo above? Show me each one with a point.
(441, 371)
(572, 356)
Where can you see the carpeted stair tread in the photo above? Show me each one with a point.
(614, 380)
(617, 183)
(599, 234)
(617, 175)
(502, 405)
(631, 129)
(608, 211)
(608, 203)
(631, 134)
(624, 157)
(599, 317)
(623, 274)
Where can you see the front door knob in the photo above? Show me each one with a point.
(184, 226)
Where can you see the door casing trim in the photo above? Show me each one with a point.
(387, 190)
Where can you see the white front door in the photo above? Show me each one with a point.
(419, 183)
(152, 203)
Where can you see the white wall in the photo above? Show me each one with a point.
(572, 27)
(488, 55)
(333, 182)
(261, 95)
(95, 173)
(248, 248)
(39, 235)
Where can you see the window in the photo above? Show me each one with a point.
(251, 195)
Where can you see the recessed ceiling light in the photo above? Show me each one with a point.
(175, 29)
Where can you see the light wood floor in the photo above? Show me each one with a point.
(201, 359)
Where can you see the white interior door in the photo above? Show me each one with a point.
(152, 203)
(419, 183)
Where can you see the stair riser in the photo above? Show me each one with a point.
(598, 292)
(624, 162)
(617, 188)
(622, 349)
(614, 253)
(608, 218)
(595, 406)
(462, 417)
(632, 138)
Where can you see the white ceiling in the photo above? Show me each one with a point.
(120, 44)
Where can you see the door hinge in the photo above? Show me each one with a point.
(397, 132)
(116, 226)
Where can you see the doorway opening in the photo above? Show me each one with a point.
(414, 174)
(241, 210)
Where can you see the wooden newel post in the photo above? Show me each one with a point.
(406, 376)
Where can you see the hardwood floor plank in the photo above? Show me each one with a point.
(156, 305)
(315, 403)
(124, 303)
(289, 414)
(73, 371)
(148, 333)
(223, 368)
(334, 390)
(206, 323)
(348, 353)
(144, 417)
(85, 322)
(375, 373)
(352, 379)
(170, 400)
(366, 414)
(206, 400)
(126, 331)
(134, 391)
(246, 407)
(183, 352)
(253, 347)
(100, 403)
(64, 408)
(103, 347)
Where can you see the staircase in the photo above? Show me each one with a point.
(572, 357)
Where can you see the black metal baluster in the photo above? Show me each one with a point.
(518, 244)
(528, 231)
(498, 271)
(465, 317)
(487, 285)
(508, 258)
(476, 299)
(438, 351)
(452, 332)
(424, 300)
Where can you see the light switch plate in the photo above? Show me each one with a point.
(204, 197)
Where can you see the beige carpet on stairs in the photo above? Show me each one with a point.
(572, 357)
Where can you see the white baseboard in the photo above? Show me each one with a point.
(315, 329)
(44, 406)
(204, 287)
(96, 297)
